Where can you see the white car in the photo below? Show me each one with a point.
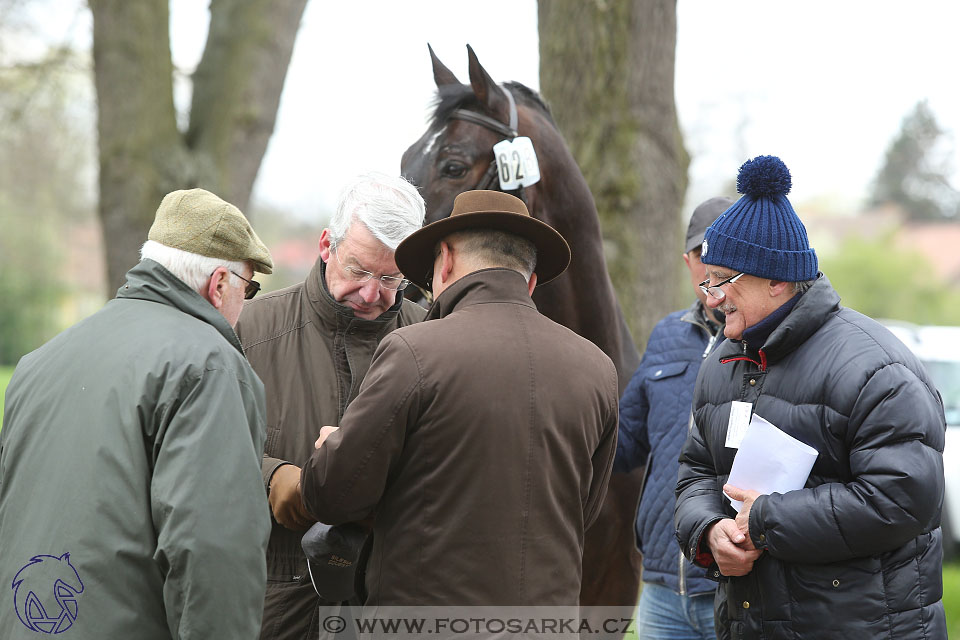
(939, 350)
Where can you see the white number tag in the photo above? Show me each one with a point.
(738, 423)
(516, 163)
(531, 168)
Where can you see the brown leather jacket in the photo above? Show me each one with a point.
(312, 354)
(483, 439)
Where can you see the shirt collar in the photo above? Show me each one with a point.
(496, 284)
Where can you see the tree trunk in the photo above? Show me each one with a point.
(140, 147)
(237, 89)
(607, 70)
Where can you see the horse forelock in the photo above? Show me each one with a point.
(451, 97)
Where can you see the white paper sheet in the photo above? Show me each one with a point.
(770, 461)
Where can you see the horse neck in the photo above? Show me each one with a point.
(582, 298)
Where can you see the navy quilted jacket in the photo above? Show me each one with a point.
(654, 420)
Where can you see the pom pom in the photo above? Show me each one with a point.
(764, 177)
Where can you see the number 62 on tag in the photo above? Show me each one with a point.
(517, 163)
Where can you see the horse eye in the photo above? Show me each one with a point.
(454, 170)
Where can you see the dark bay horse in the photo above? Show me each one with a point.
(455, 155)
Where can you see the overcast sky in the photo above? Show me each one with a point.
(823, 84)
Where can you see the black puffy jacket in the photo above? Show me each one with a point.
(857, 552)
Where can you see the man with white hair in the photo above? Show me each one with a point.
(312, 344)
(130, 503)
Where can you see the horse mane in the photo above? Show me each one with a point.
(460, 96)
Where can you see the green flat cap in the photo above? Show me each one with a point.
(197, 221)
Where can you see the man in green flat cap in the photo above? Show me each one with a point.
(131, 504)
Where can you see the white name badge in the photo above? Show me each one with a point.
(738, 423)
(517, 163)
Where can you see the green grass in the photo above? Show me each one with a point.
(951, 598)
(5, 373)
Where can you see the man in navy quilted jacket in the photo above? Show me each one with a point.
(677, 600)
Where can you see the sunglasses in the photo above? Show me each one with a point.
(252, 286)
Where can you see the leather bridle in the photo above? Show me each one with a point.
(489, 179)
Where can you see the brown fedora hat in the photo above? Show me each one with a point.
(493, 210)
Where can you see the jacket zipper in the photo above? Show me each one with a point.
(681, 567)
(683, 575)
(712, 341)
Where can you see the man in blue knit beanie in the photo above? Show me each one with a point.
(857, 552)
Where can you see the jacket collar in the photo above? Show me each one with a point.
(151, 281)
(337, 316)
(756, 336)
(480, 287)
(810, 312)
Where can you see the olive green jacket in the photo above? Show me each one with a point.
(131, 504)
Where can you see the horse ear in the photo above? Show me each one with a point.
(488, 92)
(441, 74)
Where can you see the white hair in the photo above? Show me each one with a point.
(803, 285)
(194, 269)
(389, 206)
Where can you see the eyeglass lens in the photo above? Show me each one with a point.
(252, 286)
(392, 283)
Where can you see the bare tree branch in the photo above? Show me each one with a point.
(237, 88)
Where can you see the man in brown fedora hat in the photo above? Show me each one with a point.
(131, 504)
(482, 438)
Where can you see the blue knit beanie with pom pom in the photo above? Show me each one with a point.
(760, 234)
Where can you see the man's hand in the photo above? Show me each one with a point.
(286, 502)
(729, 548)
(747, 496)
(325, 432)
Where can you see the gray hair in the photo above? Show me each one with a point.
(803, 285)
(389, 206)
(498, 248)
(195, 270)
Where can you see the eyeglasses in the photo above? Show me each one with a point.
(252, 286)
(392, 283)
(715, 291)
